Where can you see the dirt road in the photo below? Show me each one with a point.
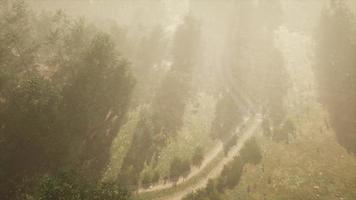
(212, 173)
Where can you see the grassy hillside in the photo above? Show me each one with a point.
(313, 166)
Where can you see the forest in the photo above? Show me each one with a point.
(177, 100)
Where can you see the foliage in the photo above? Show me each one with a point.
(169, 105)
(146, 180)
(257, 64)
(96, 100)
(170, 101)
(251, 153)
(227, 117)
(31, 121)
(198, 156)
(71, 186)
(335, 70)
(155, 176)
(149, 177)
(149, 58)
(209, 193)
(179, 167)
(186, 45)
(197, 121)
(17, 47)
(230, 175)
(64, 94)
(165, 118)
(141, 150)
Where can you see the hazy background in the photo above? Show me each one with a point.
(178, 99)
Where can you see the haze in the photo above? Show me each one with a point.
(177, 99)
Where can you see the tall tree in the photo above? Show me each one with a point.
(169, 103)
(67, 119)
(335, 70)
(257, 65)
(96, 100)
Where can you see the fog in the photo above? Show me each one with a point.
(177, 99)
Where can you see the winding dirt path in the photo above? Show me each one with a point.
(210, 156)
(213, 172)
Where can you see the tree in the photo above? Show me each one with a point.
(227, 117)
(211, 191)
(186, 45)
(48, 123)
(230, 175)
(148, 57)
(178, 168)
(251, 153)
(198, 156)
(155, 177)
(96, 100)
(149, 177)
(335, 70)
(31, 141)
(141, 151)
(17, 45)
(256, 65)
(169, 104)
(146, 179)
(176, 88)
